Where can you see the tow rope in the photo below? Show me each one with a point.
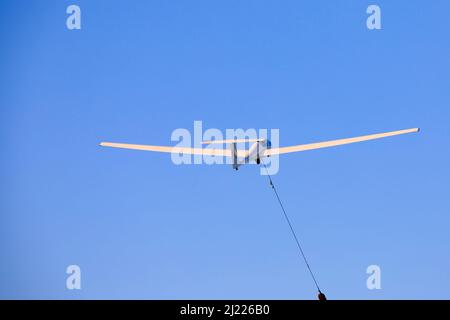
(321, 296)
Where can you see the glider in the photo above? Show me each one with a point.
(260, 148)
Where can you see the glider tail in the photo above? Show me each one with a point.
(234, 156)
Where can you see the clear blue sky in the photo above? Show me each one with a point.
(141, 227)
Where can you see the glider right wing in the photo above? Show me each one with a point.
(332, 143)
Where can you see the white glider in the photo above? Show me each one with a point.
(261, 147)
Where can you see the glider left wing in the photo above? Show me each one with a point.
(180, 150)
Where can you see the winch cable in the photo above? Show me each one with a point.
(292, 230)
